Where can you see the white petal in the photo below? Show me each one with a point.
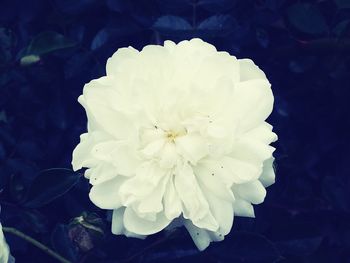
(252, 103)
(135, 224)
(100, 103)
(222, 211)
(4, 248)
(267, 177)
(263, 133)
(153, 202)
(142, 184)
(253, 192)
(195, 205)
(168, 156)
(106, 195)
(243, 208)
(101, 173)
(172, 202)
(199, 236)
(120, 60)
(192, 147)
(117, 221)
(248, 70)
(241, 171)
(213, 182)
(82, 153)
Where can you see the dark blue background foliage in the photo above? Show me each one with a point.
(49, 49)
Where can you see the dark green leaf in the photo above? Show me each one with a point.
(307, 18)
(49, 185)
(47, 42)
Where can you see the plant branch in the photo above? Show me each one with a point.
(36, 243)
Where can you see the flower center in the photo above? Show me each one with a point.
(172, 135)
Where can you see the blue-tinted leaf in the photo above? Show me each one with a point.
(341, 27)
(172, 25)
(47, 42)
(218, 25)
(299, 247)
(74, 7)
(336, 192)
(62, 244)
(49, 185)
(118, 5)
(100, 39)
(245, 247)
(302, 63)
(307, 18)
(343, 3)
(262, 37)
(217, 6)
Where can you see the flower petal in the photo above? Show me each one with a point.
(267, 177)
(135, 224)
(248, 70)
(192, 147)
(253, 192)
(243, 208)
(106, 195)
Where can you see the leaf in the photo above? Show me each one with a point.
(307, 18)
(62, 243)
(343, 3)
(218, 25)
(47, 42)
(172, 25)
(341, 28)
(49, 185)
(300, 247)
(336, 192)
(245, 247)
(216, 6)
(29, 60)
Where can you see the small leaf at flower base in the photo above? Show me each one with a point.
(245, 247)
(47, 42)
(172, 25)
(307, 18)
(62, 244)
(49, 185)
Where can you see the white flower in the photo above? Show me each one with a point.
(177, 132)
(4, 248)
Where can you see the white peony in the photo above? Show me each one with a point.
(177, 132)
(4, 248)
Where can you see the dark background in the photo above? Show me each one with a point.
(49, 49)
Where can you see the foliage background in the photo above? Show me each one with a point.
(50, 49)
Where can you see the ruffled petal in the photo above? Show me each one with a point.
(243, 208)
(192, 147)
(200, 237)
(106, 195)
(267, 177)
(252, 103)
(141, 226)
(248, 70)
(253, 192)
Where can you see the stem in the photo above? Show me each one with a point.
(36, 243)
